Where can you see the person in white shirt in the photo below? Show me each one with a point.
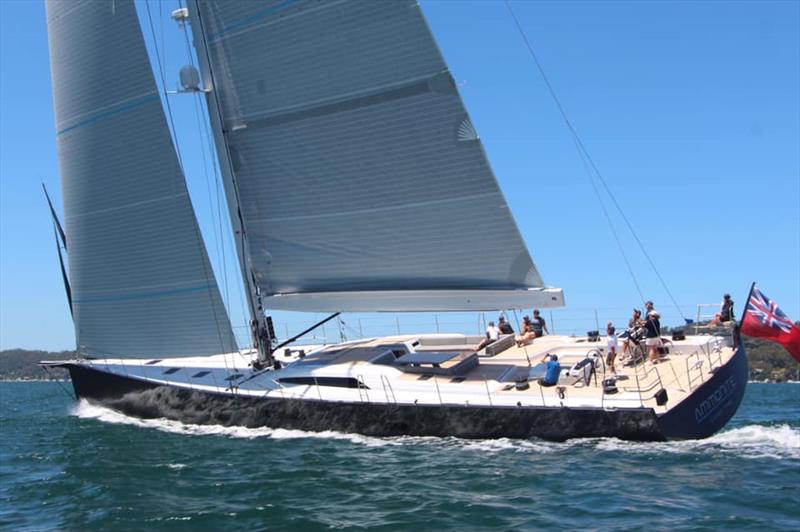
(492, 335)
(611, 336)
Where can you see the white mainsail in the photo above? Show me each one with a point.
(141, 279)
(361, 182)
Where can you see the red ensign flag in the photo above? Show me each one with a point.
(763, 319)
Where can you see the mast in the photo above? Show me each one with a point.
(259, 331)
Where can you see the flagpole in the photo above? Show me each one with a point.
(747, 301)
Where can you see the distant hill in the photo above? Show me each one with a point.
(21, 364)
(768, 361)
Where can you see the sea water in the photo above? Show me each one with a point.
(75, 466)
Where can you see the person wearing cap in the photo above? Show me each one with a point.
(527, 335)
(653, 335)
(492, 335)
(725, 313)
(552, 372)
(634, 323)
(636, 319)
(538, 324)
(504, 326)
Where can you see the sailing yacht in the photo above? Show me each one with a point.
(355, 182)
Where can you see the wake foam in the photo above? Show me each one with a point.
(85, 410)
(749, 441)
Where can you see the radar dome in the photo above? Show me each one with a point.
(190, 78)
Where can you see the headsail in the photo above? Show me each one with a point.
(141, 279)
(359, 172)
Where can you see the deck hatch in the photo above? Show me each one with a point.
(338, 382)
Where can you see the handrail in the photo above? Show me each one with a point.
(384, 383)
(697, 365)
(677, 380)
(638, 386)
(646, 389)
(319, 390)
(280, 387)
(361, 385)
(658, 375)
(488, 393)
(706, 349)
(719, 346)
(438, 392)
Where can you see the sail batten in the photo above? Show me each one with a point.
(357, 167)
(142, 284)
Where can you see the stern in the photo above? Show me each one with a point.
(712, 404)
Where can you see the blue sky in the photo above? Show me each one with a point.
(691, 110)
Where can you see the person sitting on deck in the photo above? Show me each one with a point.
(653, 335)
(504, 326)
(725, 313)
(492, 335)
(539, 325)
(552, 372)
(526, 334)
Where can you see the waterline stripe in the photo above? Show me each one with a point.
(111, 112)
(147, 295)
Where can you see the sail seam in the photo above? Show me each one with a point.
(402, 206)
(127, 206)
(115, 110)
(149, 295)
(343, 102)
(244, 22)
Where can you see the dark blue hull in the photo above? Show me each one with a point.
(702, 414)
(710, 406)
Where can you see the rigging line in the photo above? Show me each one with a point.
(163, 41)
(582, 149)
(226, 236)
(630, 227)
(163, 76)
(64, 276)
(611, 225)
(210, 195)
(244, 264)
(225, 223)
(215, 214)
(201, 248)
(55, 217)
(53, 377)
(206, 138)
(524, 346)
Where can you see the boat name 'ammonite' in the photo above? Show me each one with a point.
(715, 400)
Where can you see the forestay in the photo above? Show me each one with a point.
(141, 279)
(357, 168)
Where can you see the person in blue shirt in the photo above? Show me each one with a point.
(552, 372)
